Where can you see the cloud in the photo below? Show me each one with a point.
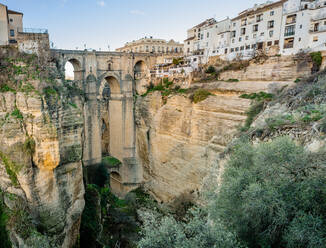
(101, 3)
(136, 12)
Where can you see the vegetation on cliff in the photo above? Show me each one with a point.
(272, 192)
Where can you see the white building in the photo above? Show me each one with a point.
(216, 38)
(304, 26)
(195, 36)
(257, 28)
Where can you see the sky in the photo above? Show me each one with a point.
(109, 24)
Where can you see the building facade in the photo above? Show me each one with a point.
(151, 45)
(11, 23)
(284, 27)
(257, 28)
(15, 25)
(304, 28)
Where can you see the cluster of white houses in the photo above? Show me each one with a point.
(284, 27)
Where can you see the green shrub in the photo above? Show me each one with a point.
(273, 195)
(50, 91)
(6, 88)
(16, 113)
(232, 80)
(11, 167)
(110, 161)
(316, 58)
(297, 80)
(253, 111)
(4, 235)
(29, 145)
(258, 96)
(197, 232)
(200, 95)
(211, 69)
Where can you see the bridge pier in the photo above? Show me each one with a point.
(116, 70)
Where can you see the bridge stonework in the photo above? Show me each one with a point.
(109, 118)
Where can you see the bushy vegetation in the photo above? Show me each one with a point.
(258, 96)
(273, 195)
(200, 95)
(232, 80)
(166, 88)
(4, 236)
(254, 110)
(211, 69)
(29, 145)
(196, 232)
(317, 59)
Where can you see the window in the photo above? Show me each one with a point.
(226, 51)
(259, 18)
(271, 13)
(255, 28)
(306, 6)
(233, 40)
(243, 31)
(207, 35)
(270, 24)
(291, 19)
(301, 26)
(276, 42)
(237, 49)
(325, 21)
(242, 48)
(288, 43)
(243, 22)
(316, 27)
(12, 32)
(188, 43)
(269, 43)
(201, 36)
(234, 24)
(315, 39)
(11, 20)
(247, 37)
(233, 34)
(232, 50)
(240, 39)
(253, 46)
(254, 35)
(247, 47)
(262, 34)
(289, 30)
(271, 33)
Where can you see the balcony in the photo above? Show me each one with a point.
(318, 30)
(33, 30)
(289, 33)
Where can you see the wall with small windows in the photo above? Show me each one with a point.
(3, 25)
(257, 28)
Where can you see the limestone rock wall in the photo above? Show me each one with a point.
(273, 69)
(41, 177)
(179, 141)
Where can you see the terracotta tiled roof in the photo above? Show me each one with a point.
(191, 38)
(14, 12)
(261, 8)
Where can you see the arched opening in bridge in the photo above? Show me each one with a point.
(116, 184)
(73, 70)
(140, 69)
(113, 86)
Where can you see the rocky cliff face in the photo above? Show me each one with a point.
(41, 180)
(178, 142)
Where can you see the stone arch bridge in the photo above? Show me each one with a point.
(110, 80)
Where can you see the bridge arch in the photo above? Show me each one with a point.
(140, 75)
(76, 67)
